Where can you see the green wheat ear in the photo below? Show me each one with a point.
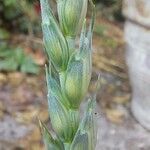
(68, 76)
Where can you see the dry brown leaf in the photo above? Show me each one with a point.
(122, 99)
(32, 141)
(112, 70)
(30, 115)
(39, 58)
(3, 78)
(2, 109)
(27, 116)
(115, 116)
(1, 114)
(35, 136)
(43, 114)
(36, 146)
(32, 80)
(2, 106)
(15, 78)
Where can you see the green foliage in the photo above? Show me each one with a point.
(100, 30)
(107, 2)
(68, 85)
(9, 2)
(19, 15)
(50, 139)
(16, 60)
(55, 44)
(71, 15)
(9, 9)
(85, 138)
(111, 9)
(107, 41)
(4, 34)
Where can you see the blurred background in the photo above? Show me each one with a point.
(22, 78)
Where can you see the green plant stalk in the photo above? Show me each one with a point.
(67, 146)
(68, 86)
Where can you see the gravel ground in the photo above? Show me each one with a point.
(129, 135)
